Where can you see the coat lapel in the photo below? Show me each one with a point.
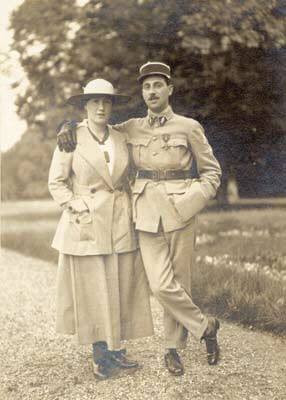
(90, 151)
(120, 155)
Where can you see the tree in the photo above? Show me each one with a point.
(228, 59)
(25, 167)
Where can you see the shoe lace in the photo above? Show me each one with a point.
(119, 355)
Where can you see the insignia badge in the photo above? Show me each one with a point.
(162, 120)
(166, 137)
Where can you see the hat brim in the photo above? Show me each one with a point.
(81, 99)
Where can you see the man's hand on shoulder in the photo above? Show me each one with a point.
(66, 136)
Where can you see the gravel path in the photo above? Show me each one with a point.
(36, 363)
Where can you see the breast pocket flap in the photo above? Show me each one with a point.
(140, 141)
(176, 187)
(178, 141)
(139, 186)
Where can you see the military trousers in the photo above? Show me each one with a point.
(168, 258)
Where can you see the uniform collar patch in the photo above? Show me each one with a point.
(162, 118)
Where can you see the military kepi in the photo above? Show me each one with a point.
(154, 68)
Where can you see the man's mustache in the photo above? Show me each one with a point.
(153, 97)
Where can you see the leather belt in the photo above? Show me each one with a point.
(158, 175)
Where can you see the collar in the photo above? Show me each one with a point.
(84, 123)
(167, 113)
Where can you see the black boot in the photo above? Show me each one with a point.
(119, 359)
(210, 338)
(101, 365)
(174, 363)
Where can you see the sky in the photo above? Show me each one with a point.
(11, 126)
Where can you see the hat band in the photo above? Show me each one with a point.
(99, 92)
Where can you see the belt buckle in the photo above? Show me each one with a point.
(156, 175)
(162, 175)
(170, 174)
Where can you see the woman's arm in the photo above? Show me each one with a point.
(60, 183)
(59, 177)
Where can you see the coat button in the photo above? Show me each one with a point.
(154, 153)
(154, 138)
(77, 221)
(92, 190)
(111, 191)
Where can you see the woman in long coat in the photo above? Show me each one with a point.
(102, 295)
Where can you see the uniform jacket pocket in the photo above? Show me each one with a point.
(137, 190)
(176, 186)
(139, 186)
(177, 141)
(139, 141)
(191, 202)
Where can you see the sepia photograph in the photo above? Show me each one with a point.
(143, 200)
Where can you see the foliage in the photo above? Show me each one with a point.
(226, 55)
(25, 168)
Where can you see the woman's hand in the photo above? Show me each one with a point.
(77, 206)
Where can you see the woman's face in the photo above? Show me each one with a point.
(99, 109)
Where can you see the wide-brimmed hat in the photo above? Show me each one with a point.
(96, 88)
(154, 68)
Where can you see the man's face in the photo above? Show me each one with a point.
(156, 93)
(99, 109)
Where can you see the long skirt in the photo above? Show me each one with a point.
(103, 298)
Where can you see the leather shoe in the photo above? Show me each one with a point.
(210, 339)
(173, 363)
(101, 369)
(119, 359)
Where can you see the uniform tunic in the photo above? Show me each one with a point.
(164, 212)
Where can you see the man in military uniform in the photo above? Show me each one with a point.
(166, 200)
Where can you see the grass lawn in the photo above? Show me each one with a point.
(30, 234)
(240, 272)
